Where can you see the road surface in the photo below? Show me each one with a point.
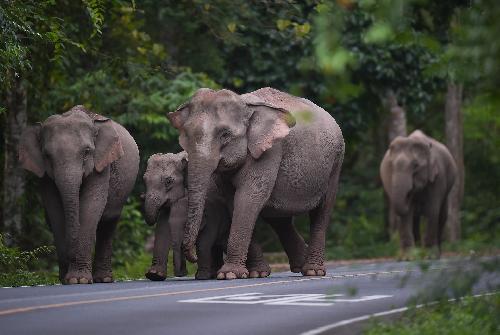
(285, 303)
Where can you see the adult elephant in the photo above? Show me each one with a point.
(277, 154)
(418, 173)
(88, 165)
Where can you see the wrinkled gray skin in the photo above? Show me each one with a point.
(165, 204)
(166, 201)
(88, 165)
(418, 173)
(275, 154)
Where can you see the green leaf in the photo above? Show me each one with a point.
(378, 33)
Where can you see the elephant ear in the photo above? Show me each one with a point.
(177, 119)
(433, 165)
(29, 150)
(268, 124)
(108, 147)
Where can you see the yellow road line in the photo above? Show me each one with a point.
(145, 296)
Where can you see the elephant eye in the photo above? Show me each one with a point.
(86, 153)
(168, 182)
(225, 135)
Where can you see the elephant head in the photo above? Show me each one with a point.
(413, 166)
(68, 148)
(165, 183)
(220, 130)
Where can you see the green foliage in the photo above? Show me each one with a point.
(131, 234)
(469, 316)
(15, 266)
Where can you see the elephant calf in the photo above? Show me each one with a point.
(88, 165)
(418, 173)
(166, 204)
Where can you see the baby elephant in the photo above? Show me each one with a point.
(88, 165)
(166, 204)
(418, 173)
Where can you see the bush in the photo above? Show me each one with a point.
(15, 266)
(468, 316)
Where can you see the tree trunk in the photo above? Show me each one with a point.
(396, 126)
(454, 142)
(13, 175)
(397, 117)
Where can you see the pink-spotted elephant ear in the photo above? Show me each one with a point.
(29, 150)
(108, 147)
(267, 125)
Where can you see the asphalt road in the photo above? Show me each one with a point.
(285, 303)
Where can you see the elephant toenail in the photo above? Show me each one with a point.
(221, 275)
(230, 275)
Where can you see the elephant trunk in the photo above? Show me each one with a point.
(152, 205)
(69, 189)
(200, 168)
(402, 184)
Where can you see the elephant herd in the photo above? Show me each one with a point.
(264, 154)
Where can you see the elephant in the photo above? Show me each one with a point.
(166, 203)
(417, 174)
(88, 165)
(276, 155)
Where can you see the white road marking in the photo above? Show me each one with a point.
(323, 329)
(317, 300)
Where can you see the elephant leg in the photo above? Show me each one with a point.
(405, 229)
(103, 272)
(180, 269)
(255, 185)
(431, 233)
(217, 258)
(158, 269)
(54, 214)
(204, 249)
(292, 242)
(416, 227)
(256, 265)
(443, 218)
(436, 213)
(319, 221)
(93, 198)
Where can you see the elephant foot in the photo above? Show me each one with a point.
(232, 271)
(156, 273)
(297, 263)
(313, 270)
(205, 275)
(182, 273)
(260, 270)
(77, 277)
(103, 277)
(408, 254)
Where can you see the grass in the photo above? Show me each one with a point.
(469, 316)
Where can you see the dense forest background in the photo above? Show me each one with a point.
(381, 68)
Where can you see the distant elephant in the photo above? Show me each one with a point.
(276, 154)
(88, 165)
(418, 173)
(166, 203)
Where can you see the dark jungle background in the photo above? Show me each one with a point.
(381, 68)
